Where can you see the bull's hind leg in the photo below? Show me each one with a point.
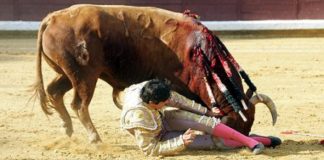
(84, 89)
(56, 90)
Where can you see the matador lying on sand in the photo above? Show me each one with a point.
(161, 131)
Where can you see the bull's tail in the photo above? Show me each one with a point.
(38, 87)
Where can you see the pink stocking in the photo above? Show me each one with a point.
(234, 144)
(225, 132)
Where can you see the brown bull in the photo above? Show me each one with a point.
(124, 45)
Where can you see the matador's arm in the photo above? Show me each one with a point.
(179, 101)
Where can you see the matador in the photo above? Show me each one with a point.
(164, 122)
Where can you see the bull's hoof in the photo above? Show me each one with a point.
(257, 149)
(69, 131)
(67, 128)
(94, 138)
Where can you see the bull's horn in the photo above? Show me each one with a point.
(268, 102)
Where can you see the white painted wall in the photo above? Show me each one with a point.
(212, 25)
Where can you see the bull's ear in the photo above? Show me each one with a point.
(171, 25)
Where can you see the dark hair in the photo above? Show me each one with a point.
(156, 91)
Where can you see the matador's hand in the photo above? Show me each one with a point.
(215, 112)
(188, 137)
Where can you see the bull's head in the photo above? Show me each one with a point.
(214, 75)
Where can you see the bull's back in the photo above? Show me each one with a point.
(126, 21)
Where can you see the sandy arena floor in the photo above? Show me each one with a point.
(290, 70)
